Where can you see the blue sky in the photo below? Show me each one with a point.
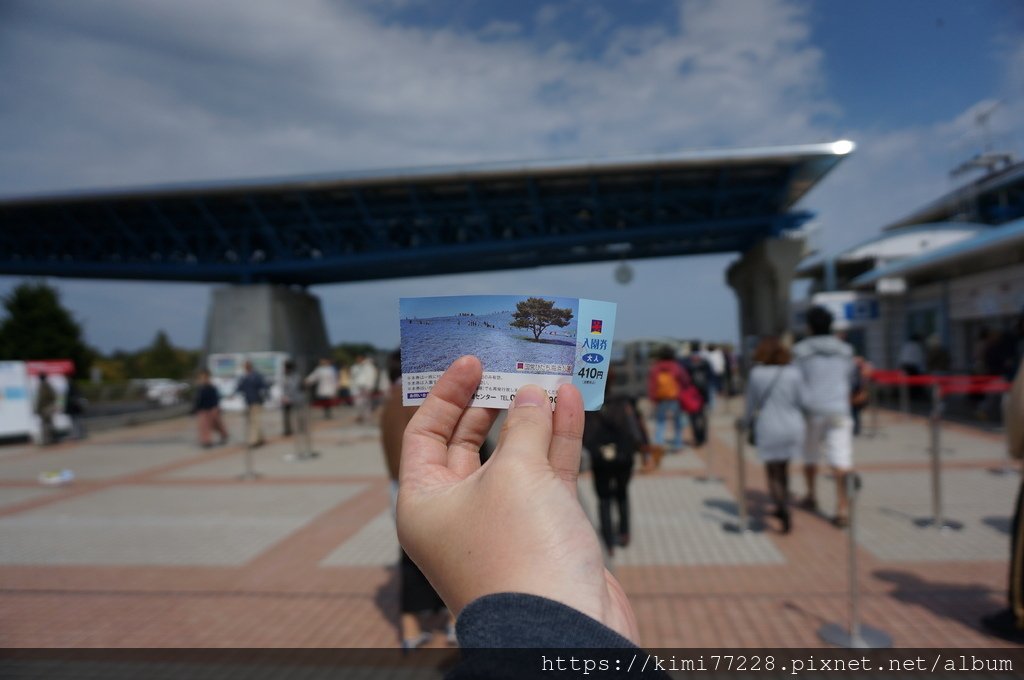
(105, 93)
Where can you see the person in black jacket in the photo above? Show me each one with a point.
(506, 543)
(207, 411)
(612, 436)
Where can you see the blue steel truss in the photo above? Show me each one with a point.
(414, 223)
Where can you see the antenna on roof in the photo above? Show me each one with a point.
(991, 161)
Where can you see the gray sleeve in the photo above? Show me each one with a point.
(529, 621)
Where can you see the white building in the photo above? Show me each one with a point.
(952, 272)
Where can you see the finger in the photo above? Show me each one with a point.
(426, 438)
(469, 436)
(567, 434)
(527, 428)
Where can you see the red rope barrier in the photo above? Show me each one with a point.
(901, 378)
(996, 386)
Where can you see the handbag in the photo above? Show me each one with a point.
(690, 399)
(751, 424)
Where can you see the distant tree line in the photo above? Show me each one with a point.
(37, 326)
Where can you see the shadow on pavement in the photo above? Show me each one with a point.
(999, 523)
(964, 603)
(386, 598)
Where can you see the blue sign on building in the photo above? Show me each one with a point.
(861, 310)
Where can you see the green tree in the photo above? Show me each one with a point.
(161, 359)
(37, 326)
(538, 313)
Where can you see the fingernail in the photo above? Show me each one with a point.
(531, 395)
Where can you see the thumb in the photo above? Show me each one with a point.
(528, 425)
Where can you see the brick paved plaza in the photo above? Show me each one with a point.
(158, 544)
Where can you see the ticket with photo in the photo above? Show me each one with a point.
(520, 340)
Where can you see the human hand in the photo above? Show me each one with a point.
(513, 524)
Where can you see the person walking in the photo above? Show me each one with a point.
(663, 385)
(253, 388)
(699, 370)
(911, 358)
(860, 394)
(827, 371)
(293, 397)
(364, 381)
(74, 407)
(344, 384)
(417, 596)
(612, 436)
(207, 411)
(324, 380)
(46, 408)
(716, 362)
(774, 412)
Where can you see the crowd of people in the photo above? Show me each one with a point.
(801, 404)
(682, 387)
(328, 385)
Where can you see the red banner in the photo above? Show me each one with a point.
(50, 367)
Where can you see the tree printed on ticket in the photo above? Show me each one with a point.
(520, 340)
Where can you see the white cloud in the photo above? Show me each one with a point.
(146, 93)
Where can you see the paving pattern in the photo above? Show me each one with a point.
(679, 521)
(158, 544)
(13, 495)
(376, 545)
(163, 525)
(893, 504)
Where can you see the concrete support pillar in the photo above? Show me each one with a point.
(267, 318)
(762, 278)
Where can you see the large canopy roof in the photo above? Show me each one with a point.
(361, 226)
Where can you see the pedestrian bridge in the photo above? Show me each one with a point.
(359, 226)
(390, 224)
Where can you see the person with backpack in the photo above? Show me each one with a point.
(663, 384)
(700, 374)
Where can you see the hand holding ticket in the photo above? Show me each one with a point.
(520, 340)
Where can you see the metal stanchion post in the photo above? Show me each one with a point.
(743, 526)
(708, 460)
(904, 398)
(873, 405)
(305, 440)
(857, 635)
(249, 472)
(1007, 467)
(935, 450)
(741, 477)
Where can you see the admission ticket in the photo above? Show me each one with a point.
(520, 339)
